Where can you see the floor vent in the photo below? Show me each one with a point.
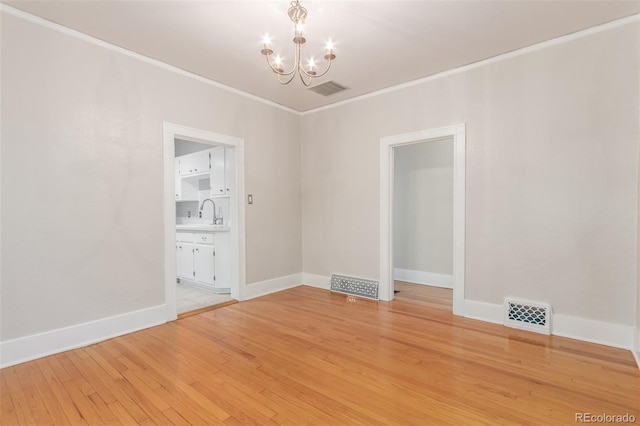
(527, 315)
(354, 286)
(328, 88)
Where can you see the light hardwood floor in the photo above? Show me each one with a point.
(434, 297)
(308, 356)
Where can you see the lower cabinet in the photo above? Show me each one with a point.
(184, 260)
(204, 263)
(203, 259)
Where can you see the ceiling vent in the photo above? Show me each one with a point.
(328, 88)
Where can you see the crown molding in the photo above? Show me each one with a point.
(109, 46)
(513, 54)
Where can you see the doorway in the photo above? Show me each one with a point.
(212, 236)
(423, 222)
(387, 237)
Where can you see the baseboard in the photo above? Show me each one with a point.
(262, 288)
(39, 345)
(636, 347)
(483, 311)
(600, 332)
(421, 277)
(603, 333)
(318, 281)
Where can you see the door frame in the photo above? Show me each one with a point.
(170, 132)
(387, 145)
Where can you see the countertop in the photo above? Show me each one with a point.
(202, 227)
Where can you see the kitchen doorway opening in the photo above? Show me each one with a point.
(423, 223)
(204, 223)
(388, 145)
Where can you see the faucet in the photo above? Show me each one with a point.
(215, 218)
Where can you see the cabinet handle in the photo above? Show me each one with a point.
(222, 190)
(197, 250)
(195, 170)
(191, 170)
(209, 161)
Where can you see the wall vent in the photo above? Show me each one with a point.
(354, 286)
(328, 88)
(527, 315)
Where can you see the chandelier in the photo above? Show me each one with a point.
(297, 14)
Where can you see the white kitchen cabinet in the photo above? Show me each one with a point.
(203, 259)
(185, 165)
(222, 260)
(229, 170)
(217, 177)
(178, 263)
(195, 163)
(202, 161)
(204, 264)
(177, 180)
(185, 260)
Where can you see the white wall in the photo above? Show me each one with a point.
(551, 178)
(82, 178)
(423, 207)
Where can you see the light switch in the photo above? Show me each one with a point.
(250, 198)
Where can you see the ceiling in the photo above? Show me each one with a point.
(378, 43)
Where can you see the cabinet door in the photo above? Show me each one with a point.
(217, 171)
(178, 263)
(185, 256)
(185, 164)
(204, 265)
(177, 181)
(230, 169)
(202, 161)
(223, 260)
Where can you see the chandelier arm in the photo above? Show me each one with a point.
(302, 79)
(284, 83)
(317, 75)
(275, 70)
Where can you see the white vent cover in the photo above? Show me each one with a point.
(527, 315)
(328, 88)
(354, 286)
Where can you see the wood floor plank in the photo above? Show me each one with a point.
(32, 396)
(53, 381)
(309, 356)
(54, 410)
(7, 410)
(121, 413)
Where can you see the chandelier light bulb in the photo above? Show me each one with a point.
(297, 15)
(330, 45)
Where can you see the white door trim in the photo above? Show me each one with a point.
(237, 231)
(386, 206)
